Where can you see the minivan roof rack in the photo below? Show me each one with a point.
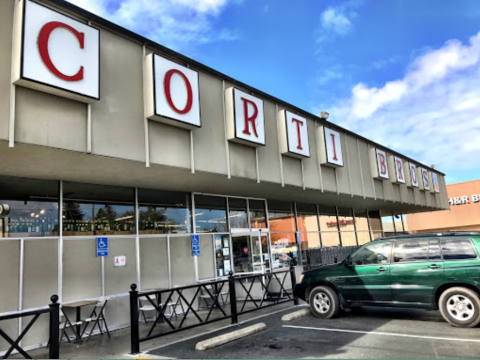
(434, 234)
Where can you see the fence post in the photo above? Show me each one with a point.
(233, 297)
(134, 334)
(294, 282)
(54, 333)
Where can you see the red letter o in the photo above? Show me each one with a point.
(166, 85)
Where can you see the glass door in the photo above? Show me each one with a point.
(247, 252)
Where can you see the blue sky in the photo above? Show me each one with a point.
(403, 73)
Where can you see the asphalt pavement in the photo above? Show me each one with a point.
(368, 332)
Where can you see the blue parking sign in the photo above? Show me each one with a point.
(195, 245)
(102, 247)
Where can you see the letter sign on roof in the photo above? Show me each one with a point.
(245, 118)
(329, 147)
(172, 94)
(398, 175)
(57, 54)
(379, 164)
(436, 186)
(424, 183)
(294, 134)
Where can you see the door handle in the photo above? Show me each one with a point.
(381, 269)
(435, 266)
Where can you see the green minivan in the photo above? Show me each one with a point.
(436, 271)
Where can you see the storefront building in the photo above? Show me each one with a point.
(463, 215)
(104, 133)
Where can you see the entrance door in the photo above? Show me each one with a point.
(247, 253)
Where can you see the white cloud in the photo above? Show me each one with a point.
(178, 24)
(336, 21)
(332, 19)
(431, 114)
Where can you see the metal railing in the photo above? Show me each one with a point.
(255, 292)
(54, 331)
(318, 257)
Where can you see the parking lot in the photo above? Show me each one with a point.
(363, 333)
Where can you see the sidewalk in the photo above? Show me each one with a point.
(118, 346)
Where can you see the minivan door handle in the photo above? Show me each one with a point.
(381, 269)
(435, 266)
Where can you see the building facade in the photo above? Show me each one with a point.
(104, 133)
(463, 215)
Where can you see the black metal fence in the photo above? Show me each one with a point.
(317, 257)
(54, 311)
(206, 303)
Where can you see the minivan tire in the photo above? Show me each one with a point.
(460, 307)
(324, 302)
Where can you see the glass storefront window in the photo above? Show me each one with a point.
(345, 219)
(349, 238)
(90, 209)
(361, 220)
(210, 213)
(375, 221)
(281, 216)
(363, 237)
(307, 219)
(237, 213)
(163, 212)
(284, 249)
(330, 238)
(29, 207)
(387, 223)
(258, 218)
(328, 218)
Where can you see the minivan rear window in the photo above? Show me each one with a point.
(461, 249)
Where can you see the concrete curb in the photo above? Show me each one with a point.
(226, 338)
(296, 315)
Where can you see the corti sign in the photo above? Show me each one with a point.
(56, 54)
(172, 93)
(245, 118)
(294, 134)
(330, 147)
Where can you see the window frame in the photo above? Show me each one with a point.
(454, 239)
(390, 253)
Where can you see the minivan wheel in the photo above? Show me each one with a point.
(324, 302)
(460, 307)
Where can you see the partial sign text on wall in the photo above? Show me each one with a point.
(329, 147)
(294, 134)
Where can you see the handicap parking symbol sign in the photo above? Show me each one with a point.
(195, 245)
(102, 247)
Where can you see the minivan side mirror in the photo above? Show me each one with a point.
(349, 263)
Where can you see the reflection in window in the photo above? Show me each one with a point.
(281, 216)
(237, 213)
(210, 214)
(307, 219)
(373, 254)
(363, 237)
(163, 212)
(284, 249)
(348, 238)
(90, 209)
(453, 249)
(345, 220)
(413, 250)
(375, 221)
(330, 238)
(361, 220)
(257, 214)
(328, 218)
(29, 207)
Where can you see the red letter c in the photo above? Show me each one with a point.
(43, 38)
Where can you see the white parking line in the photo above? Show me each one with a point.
(381, 333)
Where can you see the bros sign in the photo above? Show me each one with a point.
(294, 140)
(172, 93)
(397, 176)
(330, 147)
(245, 118)
(56, 54)
(379, 164)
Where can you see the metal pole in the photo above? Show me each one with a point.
(294, 282)
(134, 334)
(233, 298)
(54, 351)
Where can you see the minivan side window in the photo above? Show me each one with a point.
(458, 249)
(417, 250)
(373, 254)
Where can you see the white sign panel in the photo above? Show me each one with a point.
(245, 118)
(330, 147)
(382, 166)
(413, 175)
(425, 183)
(399, 171)
(173, 93)
(120, 260)
(297, 134)
(436, 186)
(59, 55)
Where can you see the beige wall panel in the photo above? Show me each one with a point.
(423, 198)
(153, 263)
(40, 275)
(416, 196)
(443, 192)
(403, 193)
(10, 327)
(183, 269)
(328, 179)
(242, 161)
(354, 165)
(206, 269)
(411, 196)
(169, 145)
(438, 200)
(268, 158)
(209, 141)
(6, 26)
(396, 193)
(119, 279)
(117, 119)
(38, 333)
(292, 171)
(366, 172)
(379, 186)
(343, 182)
(82, 270)
(117, 312)
(310, 165)
(9, 270)
(49, 120)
